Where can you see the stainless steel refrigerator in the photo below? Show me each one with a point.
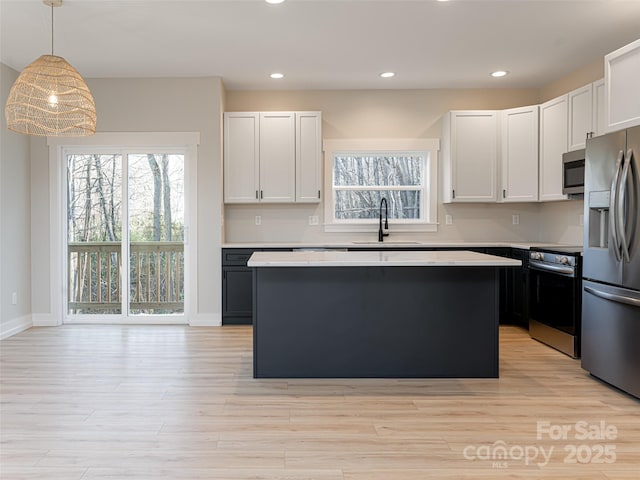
(611, 264)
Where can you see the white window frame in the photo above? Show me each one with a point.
(428, 148)
(126, 143)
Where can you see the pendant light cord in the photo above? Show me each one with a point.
(51, 28)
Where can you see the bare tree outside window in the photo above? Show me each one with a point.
(360, 180)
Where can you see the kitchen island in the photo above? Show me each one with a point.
(407, 314)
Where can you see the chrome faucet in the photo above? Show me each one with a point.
(381, 235)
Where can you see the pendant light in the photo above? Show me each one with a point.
(50, 98)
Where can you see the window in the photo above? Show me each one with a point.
(359, 173)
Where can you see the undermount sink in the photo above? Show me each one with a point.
(373, 242)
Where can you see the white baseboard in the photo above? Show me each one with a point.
(206, 320)
(17, 325)
(45, 320)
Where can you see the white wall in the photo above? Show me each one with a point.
(15, 221)
(382, 114)
(149, 105)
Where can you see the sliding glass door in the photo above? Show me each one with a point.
(125, 214)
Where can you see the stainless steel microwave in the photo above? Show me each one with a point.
(573, 172)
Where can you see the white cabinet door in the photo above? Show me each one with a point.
(277, 157)
(308, 156)
(580, 116)
(519, 154)
(553, 143)
(241, 157)
(470, 156)
(599, 123)
(622, 91)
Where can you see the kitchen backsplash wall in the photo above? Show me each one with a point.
(541, 222)
(561, 222)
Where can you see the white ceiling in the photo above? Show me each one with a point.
(323, 44)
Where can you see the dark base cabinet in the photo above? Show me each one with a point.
(514, 287)
(237, 300)
(237, 287)
(516, 291)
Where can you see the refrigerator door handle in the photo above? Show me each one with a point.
(620, 210)
(613, 216)
(622, 199)
(613, 297)
(629, 217)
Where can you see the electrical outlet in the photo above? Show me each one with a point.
(14, 298)
(258, 220)
(313, 220)
(448, 220)
(581, 220)
(515, 219)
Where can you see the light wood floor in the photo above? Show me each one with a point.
(180, 403)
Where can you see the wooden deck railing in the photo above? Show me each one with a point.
(156, 277)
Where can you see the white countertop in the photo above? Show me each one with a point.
(391, 244)
(459, 258)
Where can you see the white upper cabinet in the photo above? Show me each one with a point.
(553, 143)
(519, 154)
(308, 157)
(622, 87)
(272, 157)
(586, 114)
(580, 117)
(599, 121)
(470, 156)
(277, 157)
(241, 157)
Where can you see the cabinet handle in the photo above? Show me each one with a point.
(261, 194)
(454, 193)
(256, 194)
(504, 193)
(318, 193)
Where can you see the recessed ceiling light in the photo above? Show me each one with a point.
(277, 75)
(499, 73)
(274, 1)
(387, 74)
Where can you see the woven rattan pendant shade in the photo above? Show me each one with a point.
(50, 98)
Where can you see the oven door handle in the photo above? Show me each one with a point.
(569, 271)
(613, 297)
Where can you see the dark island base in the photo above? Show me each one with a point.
(375, 322)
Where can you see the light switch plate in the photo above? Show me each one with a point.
(258, 220)
(313, 220)
(515, 219)
(448, 219)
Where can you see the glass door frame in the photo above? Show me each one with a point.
(124, 143)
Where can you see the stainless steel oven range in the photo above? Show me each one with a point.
(555, 280)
